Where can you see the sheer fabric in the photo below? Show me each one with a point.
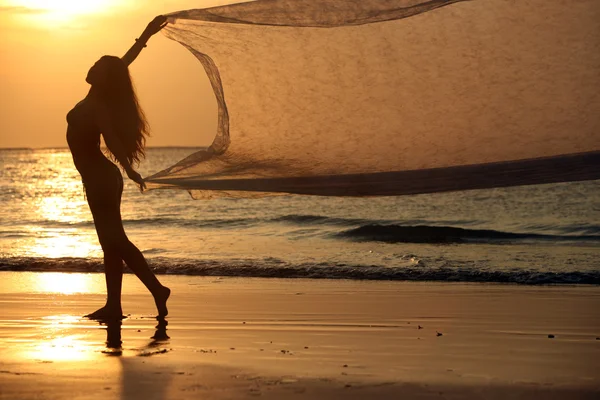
(392, 97)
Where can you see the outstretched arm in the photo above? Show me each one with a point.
(156, 25)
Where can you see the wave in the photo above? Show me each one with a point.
(446, 234)
(302, 219)
(274, 268)
(362, 229)
(218, 222)
(157, 221)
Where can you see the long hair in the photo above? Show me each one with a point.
(127, 117)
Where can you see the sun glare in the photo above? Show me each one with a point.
(57, 244)
(68, 348)
(64, 283)
(56, 344)
(64, 6)
(61, 11)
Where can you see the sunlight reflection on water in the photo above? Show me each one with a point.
(62, 283)
(63, 348)
(47, 225)
(48, 192)
(58, 339)
(56, 244)
(55, 346)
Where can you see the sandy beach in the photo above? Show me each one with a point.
(230, 338)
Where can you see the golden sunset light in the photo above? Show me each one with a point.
(62, 245)
(299, 199)
(51, 45)
(61, 10)
(63, 209)
(60, 15)
(65, 283)
(68, 348)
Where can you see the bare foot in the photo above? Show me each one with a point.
(106, 313)
(161, 301)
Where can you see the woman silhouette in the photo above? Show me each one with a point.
(111, 109)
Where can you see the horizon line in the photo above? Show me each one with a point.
(66, 147)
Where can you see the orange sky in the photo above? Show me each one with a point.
(47, 47)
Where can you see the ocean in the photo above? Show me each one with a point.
(541, 234)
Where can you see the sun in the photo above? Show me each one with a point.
(67, 7)
(61, 11)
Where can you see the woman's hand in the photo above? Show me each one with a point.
(137, 178)
(156, 25)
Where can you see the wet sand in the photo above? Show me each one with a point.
(231, 338)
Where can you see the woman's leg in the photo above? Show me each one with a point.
(120, 248)
(113, 272)
(117, 247)
(105, 203)
(104, 198)
(135, 260)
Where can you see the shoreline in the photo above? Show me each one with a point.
(255, 269)
(287, 338)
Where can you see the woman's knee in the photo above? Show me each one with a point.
(114, 246)
(113, 259)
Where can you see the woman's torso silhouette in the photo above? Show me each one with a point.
(102, 180)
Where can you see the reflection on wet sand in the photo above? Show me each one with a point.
(347, 338)
(113, 338)
(114, 342)
(71, 343)
(55, 340)
(135, 376)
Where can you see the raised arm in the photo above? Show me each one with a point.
(153, 27)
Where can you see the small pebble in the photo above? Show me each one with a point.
(420, 327)
(550, 336)
(232, 348)
(306, 347)
(439, 334)
(345, 365)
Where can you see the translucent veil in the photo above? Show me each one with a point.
(392, 97)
